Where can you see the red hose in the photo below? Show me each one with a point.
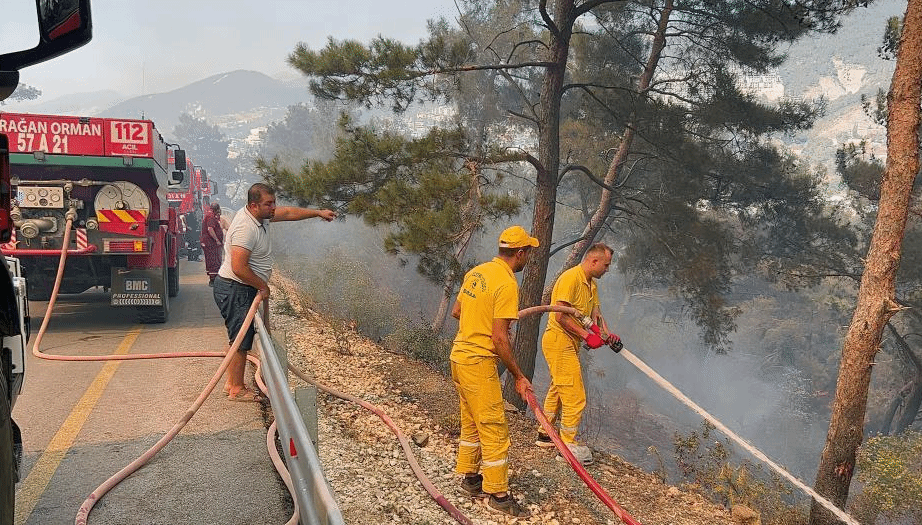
(87, 506)
(561, 446)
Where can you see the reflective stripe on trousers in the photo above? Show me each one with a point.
(566, 396)
(482, 421)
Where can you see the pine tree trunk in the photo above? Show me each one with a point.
(535, 273)
(876, 294)
(911, 404)
(887, 420)
(600, 216)
(438, 322)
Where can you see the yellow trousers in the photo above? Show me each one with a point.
(484, 441)
(566, 396)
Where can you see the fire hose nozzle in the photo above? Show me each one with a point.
(617, 346)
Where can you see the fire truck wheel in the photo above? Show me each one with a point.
(7, 461)
(173, 284)
(157, 314)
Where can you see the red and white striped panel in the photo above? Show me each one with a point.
(81, 238)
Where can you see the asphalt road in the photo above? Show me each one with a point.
(83, 422)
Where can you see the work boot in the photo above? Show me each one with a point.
(506, 505)
(473, 485)
(544, 440)
(582, 453)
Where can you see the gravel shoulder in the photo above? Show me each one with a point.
(371, 478)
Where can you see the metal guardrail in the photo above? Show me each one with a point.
(313, 495)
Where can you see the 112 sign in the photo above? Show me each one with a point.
(123, 132)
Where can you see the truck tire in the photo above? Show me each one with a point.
(173, 285)
(155, 314)
(158, 314)
(7, 459)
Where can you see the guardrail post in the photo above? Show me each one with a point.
(281, 349)
(306, 399)
(305, 396)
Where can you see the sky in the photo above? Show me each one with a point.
(141, 47)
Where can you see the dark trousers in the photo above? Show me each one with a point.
(234, 300)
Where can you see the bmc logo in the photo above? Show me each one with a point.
(137, 285)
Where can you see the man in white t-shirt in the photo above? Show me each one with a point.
(245, 273)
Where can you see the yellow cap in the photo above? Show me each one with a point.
(516, 237)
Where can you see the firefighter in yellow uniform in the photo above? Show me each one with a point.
(566, 396)
(486, 307)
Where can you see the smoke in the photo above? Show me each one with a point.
(772, 410)
(627, 413)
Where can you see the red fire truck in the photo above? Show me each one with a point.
(191, 195)
(110, 176)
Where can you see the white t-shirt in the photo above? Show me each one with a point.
(247, 232)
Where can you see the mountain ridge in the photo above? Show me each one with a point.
(840, 67)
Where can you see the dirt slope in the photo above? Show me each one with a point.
(372, 480)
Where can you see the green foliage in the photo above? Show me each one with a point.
(205, 145)
(701, 197)
(876, 110)
(384, 71)
(425, 192)
(420, 342)
(350, 291)
(891, 470)
(707, 468)
(704, 277)
(697, 459)
(305, 133)
(891, 40)
(860, 170)
(698, 159)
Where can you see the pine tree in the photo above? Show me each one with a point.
(427, 193)
(527, 47)
(205, 145)
(876, 302)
